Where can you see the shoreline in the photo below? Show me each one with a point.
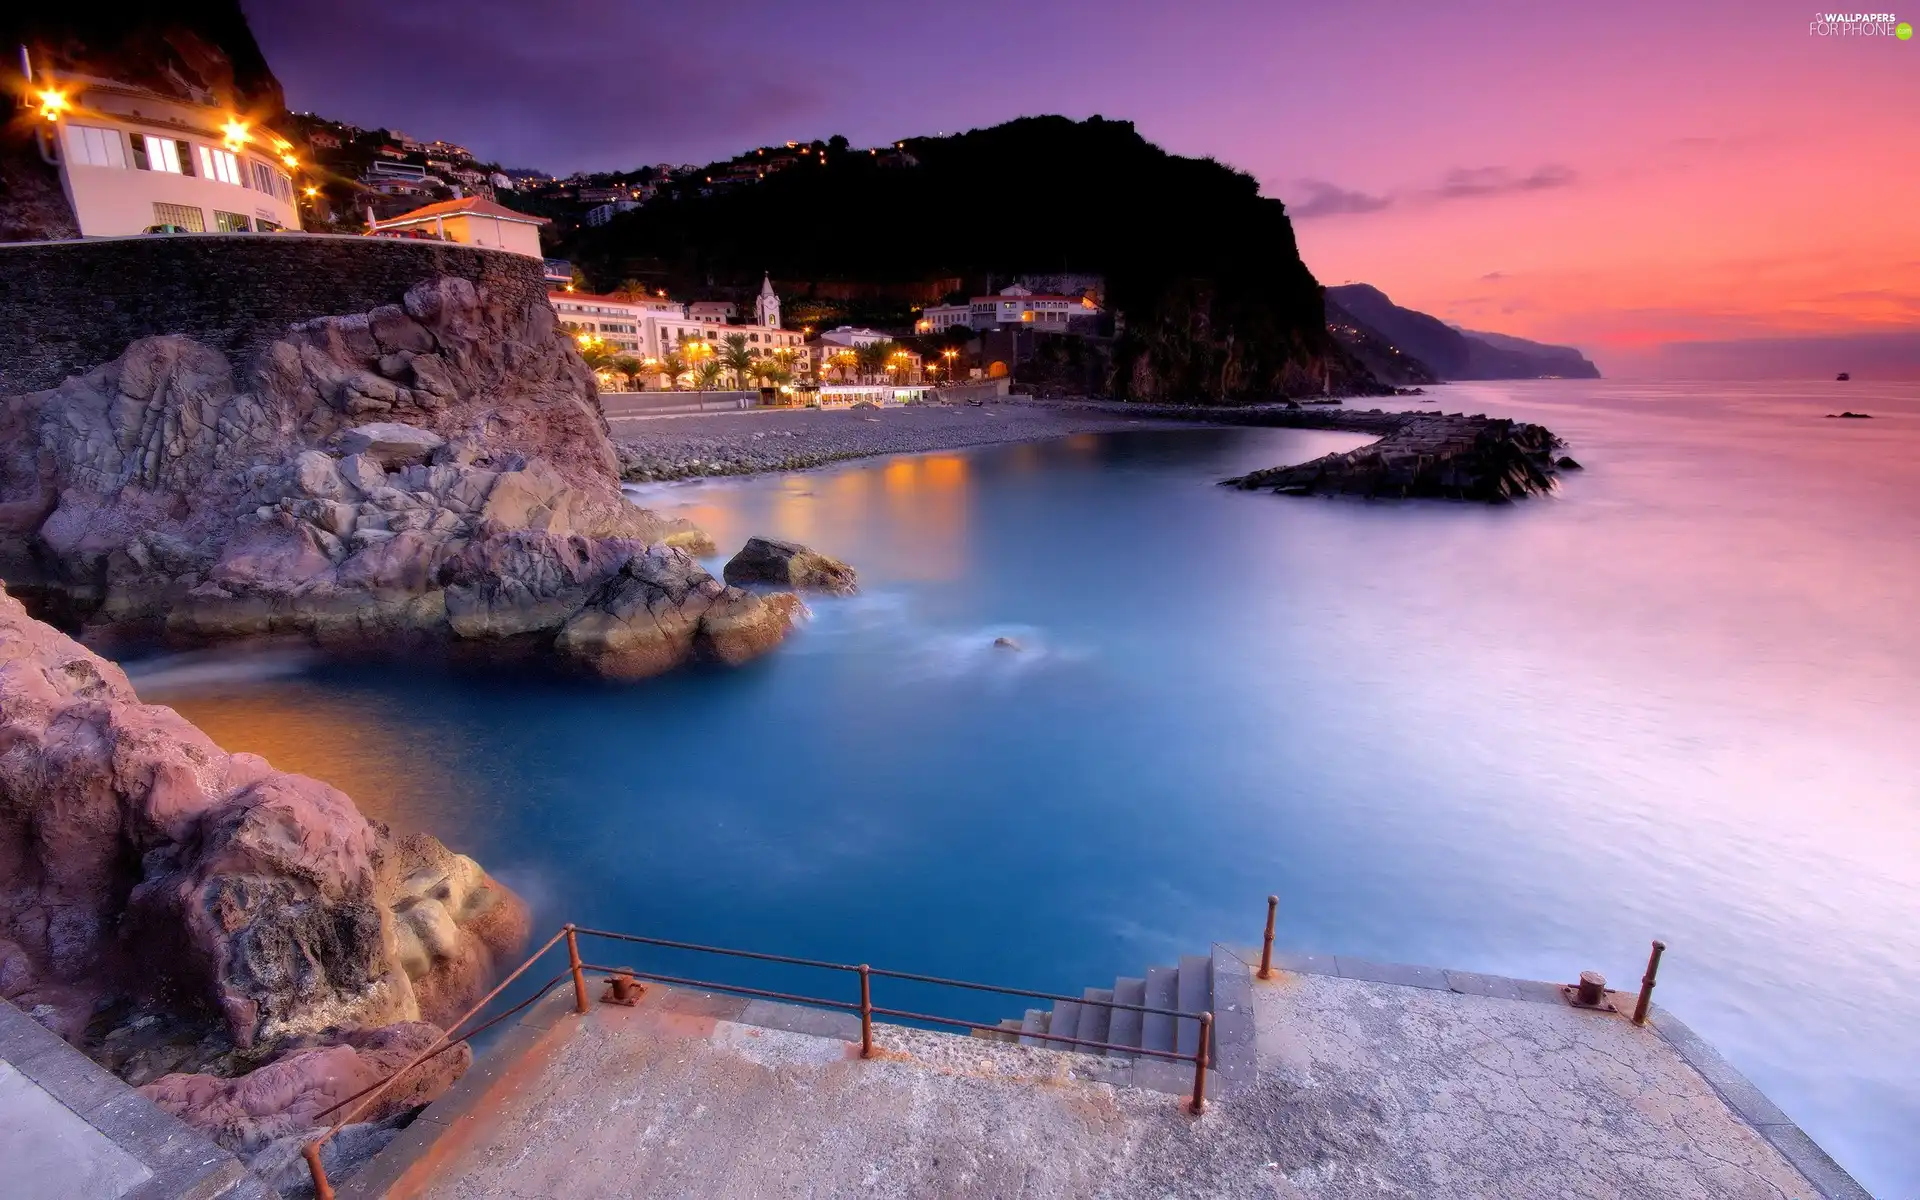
(672, 448)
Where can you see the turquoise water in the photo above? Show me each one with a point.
(1676, 700)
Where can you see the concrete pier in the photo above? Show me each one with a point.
(1360, 1081)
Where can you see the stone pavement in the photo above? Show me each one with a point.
(1436, 1084)
(68, 1129)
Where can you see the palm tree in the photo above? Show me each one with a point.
(629, 367)
(873, 358)
(708, 374)
(598, 355)
(771, 373)
(673, 366)
(737, 359)
(843, 361)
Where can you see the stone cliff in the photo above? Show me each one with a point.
(174, 908)
(429, 474)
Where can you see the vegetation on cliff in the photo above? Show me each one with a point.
(1215, 302)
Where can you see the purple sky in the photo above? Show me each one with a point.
(1624, 177)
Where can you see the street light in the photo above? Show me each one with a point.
(53, 102)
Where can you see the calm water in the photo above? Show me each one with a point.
(1680, 699)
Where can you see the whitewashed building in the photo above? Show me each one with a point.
(1010, 306)
(133, 160)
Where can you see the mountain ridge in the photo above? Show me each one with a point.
(1453, 353)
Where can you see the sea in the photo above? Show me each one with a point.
(1678, 698)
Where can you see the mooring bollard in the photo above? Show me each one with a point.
(1199, 1103)
(866, 1011)
(1646, 983)
(579, 976)
(1266, 949)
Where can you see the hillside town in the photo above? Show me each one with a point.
(135, 161)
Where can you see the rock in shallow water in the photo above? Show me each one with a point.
(1428, 455)
(789, 564)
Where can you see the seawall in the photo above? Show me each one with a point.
(67, 307)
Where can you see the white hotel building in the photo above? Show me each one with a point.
(1013, 306)
(132, 160)
(650, 327)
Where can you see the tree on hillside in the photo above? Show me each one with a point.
(631, 290)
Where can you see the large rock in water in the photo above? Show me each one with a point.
(1428, 455)
(789, 564)
(146, 867)
(368, 481)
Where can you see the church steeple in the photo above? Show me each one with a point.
(766, 306)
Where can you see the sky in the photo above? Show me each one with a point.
(1669, 187)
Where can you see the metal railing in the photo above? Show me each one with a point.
(622, 977)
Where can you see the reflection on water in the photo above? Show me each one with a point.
(356, 742)
(1676, 699)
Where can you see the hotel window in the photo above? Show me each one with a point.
(152, 153)
(266, 226)
(93, 147)
(220, 164)
(184, 216)
(226, 222)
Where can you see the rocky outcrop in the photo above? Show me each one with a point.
(1428, 455)
(150, 879)
(789, 564)
(429, 473)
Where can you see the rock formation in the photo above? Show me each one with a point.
(150, 879)
(1429, 455)
(789, 564)
(430, 473)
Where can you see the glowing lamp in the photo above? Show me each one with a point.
(53, 102)
(236, 134)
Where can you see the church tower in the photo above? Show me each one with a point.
(766, 306)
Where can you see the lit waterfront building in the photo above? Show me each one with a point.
(1011, 306)
(132, 160)
(653, 327)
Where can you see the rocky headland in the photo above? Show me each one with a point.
(433, 475)
(239, 942)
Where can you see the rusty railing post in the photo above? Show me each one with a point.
(866, 1011)
(1266, 948)
(579, 976)
(1646, 983)
(322, 1190)
(1199, 1102)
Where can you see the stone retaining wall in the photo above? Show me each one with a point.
(66, 307)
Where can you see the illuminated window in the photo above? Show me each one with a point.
(92, 147)
(219, 164)
(182, 216)
(152, 153)
(226, 222)
(266, 226)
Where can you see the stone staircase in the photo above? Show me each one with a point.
(1219, 982)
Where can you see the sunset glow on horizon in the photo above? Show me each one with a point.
(1621, 179)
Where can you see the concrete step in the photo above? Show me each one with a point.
(1034, 1025)
(1096, 1019)
(1125, 1030)
(1195, 994)
(1156, 1030)
(1008, 1031)
(1064, 1022)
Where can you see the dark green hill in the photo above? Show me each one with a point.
(1203, 271)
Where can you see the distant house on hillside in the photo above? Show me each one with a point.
(713, 310)
(1051, 311)
(472, 221)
